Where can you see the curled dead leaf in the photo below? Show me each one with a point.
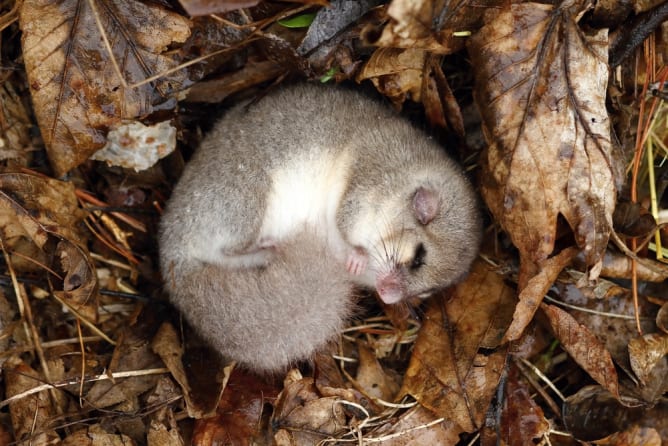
(396, 73)
(593, 413)
(662, 318)
(631, 220)
(647, 353)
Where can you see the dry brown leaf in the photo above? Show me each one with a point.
(634, 436)
(532, 295)
(617, 265)
(440, 105)
(648, 353)
(541, 88)
(163, 428)
(416, 427)
(238, 420)
(446, 373)
(522, 420)
(15, 126)
(429, 25)
(166, 344)
(216, 90)
(396, 73)
(30, 414)
(584, 348)
(161, 435)
(39, 219)
(206, 7)
(132, 353)
(615, 333)
(95, 435)
(372, 378)
(662, 318)
(303, 414)
(76, 91)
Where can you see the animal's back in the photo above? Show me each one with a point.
(269, 318)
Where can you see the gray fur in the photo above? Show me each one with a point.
(213, 235)
(268, 318)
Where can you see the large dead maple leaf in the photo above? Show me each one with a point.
(76, 84)
(541, 85)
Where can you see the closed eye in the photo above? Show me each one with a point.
(418, 257)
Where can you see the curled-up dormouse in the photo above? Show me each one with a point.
(291, 201)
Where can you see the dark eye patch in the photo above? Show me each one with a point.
(418, 257)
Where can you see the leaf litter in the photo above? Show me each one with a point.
(536, 339)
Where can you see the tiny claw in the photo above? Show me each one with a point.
(357, 261)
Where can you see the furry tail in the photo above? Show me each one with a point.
(269, 318)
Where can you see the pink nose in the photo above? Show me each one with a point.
(390, 287)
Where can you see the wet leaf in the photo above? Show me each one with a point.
(522, 420)
(447, 374)
(77, 93)
(584, 348)
(238, 420)
(594, 413)
(541, 87)
(631, 220)
(333, 20)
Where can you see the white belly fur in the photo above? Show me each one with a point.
(306, 193)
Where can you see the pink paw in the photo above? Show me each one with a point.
(266, 243)
(357, 261)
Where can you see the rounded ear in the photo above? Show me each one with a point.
(425, 205)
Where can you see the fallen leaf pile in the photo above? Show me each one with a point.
(559, 335)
